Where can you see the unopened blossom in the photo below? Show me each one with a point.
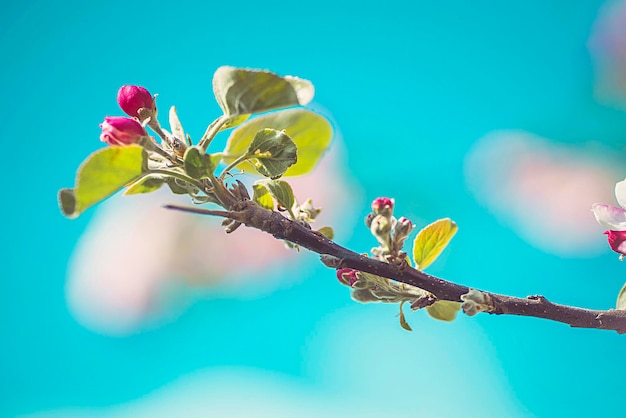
(403, 228)
(383, 206)
(118, 130)
(133, 98)
(617, 241)
(347, 276)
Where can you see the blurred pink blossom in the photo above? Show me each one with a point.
(136, 259)
(541, 189)
(607, 44)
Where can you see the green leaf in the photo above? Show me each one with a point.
(431, 241)
(216, 158)
(197, 163)
(403, 322)
(103, 173)
(262, 196)
(273, 152)
(240, 91)
(327, 231)
(281, 192)
(145, 185)
(621, 299)
(444, 310)
(310, 132)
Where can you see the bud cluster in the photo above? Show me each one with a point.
(368, 287)
(120, 130)
(476, 301)
(391, 233)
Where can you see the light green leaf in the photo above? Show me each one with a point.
(273, 152)
(431, 241)
(310, 132)
(327, 231)
(197, 163)
(262, 196)
(281, 192)
(216, 158)
(241, 91)
(444, 310)
(145, 185)
(621, 299)
(234, 121)
(103, 173)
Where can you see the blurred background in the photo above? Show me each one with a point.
(509, 117)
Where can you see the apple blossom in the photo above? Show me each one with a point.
(613, 217)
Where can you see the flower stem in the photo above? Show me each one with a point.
(233, 165)
(179, 176)
(211, 131)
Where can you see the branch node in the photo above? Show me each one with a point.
(539, 298)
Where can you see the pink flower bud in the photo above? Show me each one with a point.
(118, 130)
(133, 98)
(383, 206)
(403, 228)
(617, 241)
(347, 276)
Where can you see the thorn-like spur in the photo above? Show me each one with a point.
(222, 213)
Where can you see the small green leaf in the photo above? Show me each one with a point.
(103, 173)
(327, 231)
(364, 296)
(197, 163)
(403, 322)
(67, 201)
(621, 299)
(431, 241)
(145, 185)
(310, 132)
(181, 187)
(273, 151)
(281, 192)
(241, 91)
(444, 310)
(262, 196)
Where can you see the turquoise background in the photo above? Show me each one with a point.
(411, 86)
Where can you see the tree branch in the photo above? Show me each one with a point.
(252, 215)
